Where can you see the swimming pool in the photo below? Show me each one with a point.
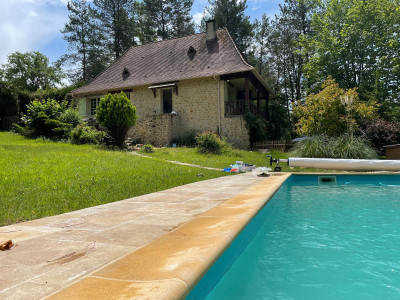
(317, 238)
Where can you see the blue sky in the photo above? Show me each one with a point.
(34, 25)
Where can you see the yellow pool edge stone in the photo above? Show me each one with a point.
(170, 266)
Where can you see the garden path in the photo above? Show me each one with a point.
(176, 162)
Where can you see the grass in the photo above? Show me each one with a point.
(42, 178)
(192, 156)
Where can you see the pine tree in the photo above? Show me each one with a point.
(115, 18)
(84, 40)
(164, 19)
(230, 14)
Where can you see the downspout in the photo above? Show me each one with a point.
(219, 106)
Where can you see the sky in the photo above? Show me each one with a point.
(34, 25)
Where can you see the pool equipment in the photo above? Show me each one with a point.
(277, 168)
(345, 164)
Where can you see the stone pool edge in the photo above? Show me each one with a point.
(170, 266)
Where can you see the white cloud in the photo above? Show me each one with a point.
(27, 25)
(197, 18)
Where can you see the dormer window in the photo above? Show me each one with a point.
(191, 52)
(125, 73)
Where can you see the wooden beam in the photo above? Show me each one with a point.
(246, 91)
(235, 75)
(154, 92)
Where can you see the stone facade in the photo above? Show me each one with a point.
(197, 107)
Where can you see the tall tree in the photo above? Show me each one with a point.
(31, 71)
(230, 14)
(357, 42)
(164, 19)
(115, 19)
(84, 37)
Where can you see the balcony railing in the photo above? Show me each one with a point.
(238, 107)
(235, 107)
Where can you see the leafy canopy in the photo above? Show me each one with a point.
(333, 111)
(31, 71)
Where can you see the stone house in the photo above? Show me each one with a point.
(199, 82)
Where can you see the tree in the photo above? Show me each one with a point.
(31, 71)
(333, 111)
(230, 14)
(117, 114)
(357, 42)
(164, 19)
(84, 37)
(114, 16)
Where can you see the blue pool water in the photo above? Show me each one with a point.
(311, 241)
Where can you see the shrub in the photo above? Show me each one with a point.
(148, 148)
(42, 119)
(188, 139)
(8, 103)
(83, 134)
(380, 133)
(117, 114)
(209, 142)
(71, 116)
(343, 146)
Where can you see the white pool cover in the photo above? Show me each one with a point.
(345, 164)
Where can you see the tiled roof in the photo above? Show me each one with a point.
(169, 61)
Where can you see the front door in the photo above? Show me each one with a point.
(167, 101)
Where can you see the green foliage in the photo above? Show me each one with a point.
(71, 116)
(166, 19)
(49, 119)
(255, 127)
(117, 114)
(8, 102)
(357, 43)
(148, 148)
(83, 134)
(333, 111)
(231, 14)
(209, 142)
(344, 146)
(31, 71)
(84, 36)
(188, 139)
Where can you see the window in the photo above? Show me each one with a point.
(167, 101)
(94, 103)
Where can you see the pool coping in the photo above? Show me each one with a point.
(171, 266)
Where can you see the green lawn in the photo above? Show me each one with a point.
(192, 156)
(42, 178)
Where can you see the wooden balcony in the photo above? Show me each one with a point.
(238, 107)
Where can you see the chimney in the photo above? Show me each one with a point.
(211, 31)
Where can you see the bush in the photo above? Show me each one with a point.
(343, 146)
(42, 119)
(209, 142)
(187, 140)
(84, 134)
(148, 148)
(117, 114)
(381, 133)
(71, 116)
